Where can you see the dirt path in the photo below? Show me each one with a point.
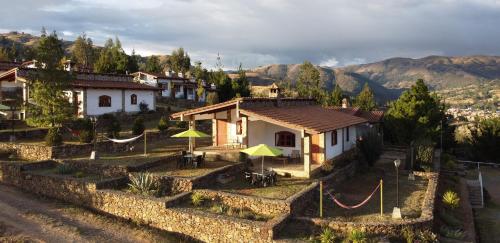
(27, 217)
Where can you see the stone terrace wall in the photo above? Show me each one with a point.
(156, 212)
(425, 221)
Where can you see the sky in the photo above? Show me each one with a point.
(260, 32)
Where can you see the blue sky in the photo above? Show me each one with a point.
(326, 32)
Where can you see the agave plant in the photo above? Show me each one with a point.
(357, 236)
(451, 199)
(144, 184)
(327, 236)
(197, 199)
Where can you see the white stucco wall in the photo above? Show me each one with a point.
(145, 96)
(335, 150)
(263, 132)
(167, 86)
(93, 101)
(352, 138)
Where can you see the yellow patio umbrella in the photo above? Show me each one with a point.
(191, 133)
(262, 150)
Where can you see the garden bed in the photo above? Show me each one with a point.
(170, 169)
(356, 189)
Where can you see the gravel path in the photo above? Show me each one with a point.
(23, 216)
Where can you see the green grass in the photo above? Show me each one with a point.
(356, 189)
(284, 188)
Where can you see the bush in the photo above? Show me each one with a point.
(451, 199)
(427, 236)
(86, 136)
(163, 124)
(138, 126)
(449, 219)
(85, 129)
(327, 166)
(197, 199)
(357, 236)
(408, 234)
(79, 174)
(327, 236)
(451, 233)
(144, 184)
(64, 169)
(110, 124)
(144, 108)
(219, 208)
(371, 147)
(53, 137)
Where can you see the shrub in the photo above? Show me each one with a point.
(79, 174)
(144, 108)
(427, 236)
(219, 208)
(53, 137)
(163, 124)
(110, 124)
(64, 169)
(357, 236)
(138, 126)
(451, 233)
(86, 136)
(371, 147)
(197, 199)
(327, 236)
(246, 214)
(408, 234)
(327, 167)
(144, 184)
(451, 199)
(449, 219)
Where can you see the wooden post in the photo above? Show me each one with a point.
(381, 198)
(321, 199)
(145, 143)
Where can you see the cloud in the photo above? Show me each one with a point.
(332, 32)
(332, 62)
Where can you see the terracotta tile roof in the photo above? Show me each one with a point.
(205, 109)
(312, 118)
(100, 84)
(371, 116)
(161, 76)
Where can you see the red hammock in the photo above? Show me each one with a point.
(357, 205)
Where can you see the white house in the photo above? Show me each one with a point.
(300, 127)
(92, 93)
(173, 85)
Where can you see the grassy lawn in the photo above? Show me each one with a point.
(170, 169)
(284, 188)
(356, 189)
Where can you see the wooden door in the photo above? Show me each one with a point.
(221, 132)
(316, 151)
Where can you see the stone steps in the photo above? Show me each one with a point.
(475, 195)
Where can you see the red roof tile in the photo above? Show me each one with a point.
(371, 116)
(99, 84)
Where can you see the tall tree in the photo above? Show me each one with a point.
(153, 64)
(51, 105)
(200, 75)
(416, 114)
(133, 62)
(225, 90)
(486, 140)
(336, 96)
(309, 81)
(240, 85)
(365, 99)
(83, 51)
(4, 55)
(112, 58)
(179, 61)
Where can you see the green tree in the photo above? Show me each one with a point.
(179, 61)
(83, 51)
(4, 55)
(133, 62)
(200, 75)
(222, 81)
(416, 114)
(153, 64)
(365, 99)
(309, 82)
(212, 98)
(336, 96)
(240, 85)
(112, 58)
(486, 140)
(48, 83)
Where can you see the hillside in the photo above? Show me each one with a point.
(387, 78)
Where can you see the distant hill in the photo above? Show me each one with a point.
(389, 77)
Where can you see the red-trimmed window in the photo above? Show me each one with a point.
(133, 99)
(334, 137)
(104, 101)
(285, 139)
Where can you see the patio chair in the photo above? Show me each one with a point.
(295, 156)
(182, 160)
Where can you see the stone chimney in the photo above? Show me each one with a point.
(345, 103)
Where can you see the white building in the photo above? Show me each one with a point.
(92, 93)
(173, 85)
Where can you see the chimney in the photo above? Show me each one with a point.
(345, 103)
(274, 91)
